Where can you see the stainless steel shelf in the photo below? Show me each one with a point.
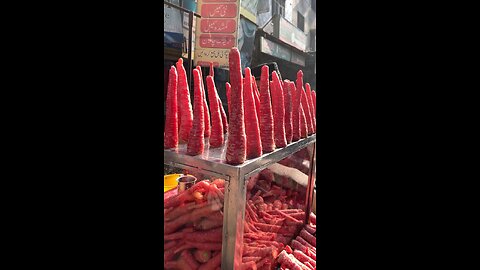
(213, 159)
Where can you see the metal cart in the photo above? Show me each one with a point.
(212, 163)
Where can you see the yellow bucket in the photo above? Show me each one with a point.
(170, 181)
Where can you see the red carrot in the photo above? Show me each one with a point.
(288, 110)
(216, 138)
(214, 235)
(312, 240)
(306, 110)
(303, 258)
(314, 98)
(313, 218)
(188, 258)
(290, 261)
(310, 266)
(169, 245)
(170, 227)
(196, 142)
(168, 255)
(304, 242)
(209, 223)
(211, 69)
(310, 229)
(251, 265)
(266, 116)
(260, 251)
(278, 112)
(252, 130)
(212, 263)
(256, 95)
(205, 245)
(224, 116)
(303, 123)
(202, 255)
(236, 144)
(251, 259)
(310, 106)
(296, 107)
(206, 113)
(288, 216)
(171, 119)
(173, 236)
(184, 105)
(267, 227)
(258, 236)
(288, 249)
(228, 89)
(178, 211)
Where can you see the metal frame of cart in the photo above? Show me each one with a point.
(235, 191)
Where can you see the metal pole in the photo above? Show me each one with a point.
(311, 183)
(190, 32)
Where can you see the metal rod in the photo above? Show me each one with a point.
(181, 8)
(311, 183)
(190, 64)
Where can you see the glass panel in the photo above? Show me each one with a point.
(193, 220)
(275, 210)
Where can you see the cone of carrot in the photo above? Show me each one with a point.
(252, 130)
(185, 112)
(196, 142)
(266, 115)
(236, 143)
(310, 106)
(216, 137)
(256, 95)
(306, 110)
(314, 98)
(296, 107)
(171, 118)
(206, 113)
(287, 95)
(278, 112)
(228, 89)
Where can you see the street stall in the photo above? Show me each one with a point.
(245, 183)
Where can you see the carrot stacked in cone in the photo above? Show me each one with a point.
(236, 144)
(252, 130)
(266, 116)
(170, 139)
(196, 142)
(310, 105)
(216, 137)
(185, 112)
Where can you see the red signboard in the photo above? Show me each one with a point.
(218, 25)
(216, 31)
(217, 41)
(219, 11)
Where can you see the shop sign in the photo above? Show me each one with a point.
(173, 33)
(216, 31)
(290, 34)
(274, 49)
(298, 59)
(248, 9)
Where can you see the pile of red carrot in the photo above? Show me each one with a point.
(304, 252)
(273, 216)
(261, 119)
(193, 227)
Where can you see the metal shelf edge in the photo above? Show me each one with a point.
(245, 168)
